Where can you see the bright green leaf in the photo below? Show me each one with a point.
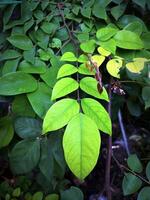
(68, 56)
(59, 114)
(83, 69)
(66, 70)
(89, 85)
(81, 143)
(64, 87)
(106, 33)
(52, 197)
(103, 52)
(97, 60)
(128, 40)
(37, 196)
(88, 46)
(97, 113)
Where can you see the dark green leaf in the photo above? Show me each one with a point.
(27, 127)
(9, 54)
(49, 27)
(148, 171)
(17, 83)
(10, 66)
(134, 163)
(144, 194)
(29, 55)
(20, 41)
(25, 156)
(72, 193)
(118, 11)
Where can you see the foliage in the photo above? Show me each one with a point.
(48, 83)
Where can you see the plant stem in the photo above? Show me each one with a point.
(121, 166)
(109, 154)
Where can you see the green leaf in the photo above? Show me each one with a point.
(25, 156)
(72, 193)
(97, 59)
(29, 55)
(66, 70)
(64, 87)
(45, 55)
(148, 171)
(49, 77)
(46, 163)
(128, 40)
(56, 43)
(17, 83)
(37, 196)
(109, 45)
(135, 27)
(106, 33)
(97, 113)
(146, 96)
(20, 41)
(117, 11)
(26, 127)
(103, 52)
(88, 46)
(52, 197)
(48, 27)
(134, 163)
(22, 107)
(16, 192)
(40, 99)
(89, 85)
(39, 67)
(137, 65)
(99, 11)
(83, 69)
(9, 54)
(140, 3)
(145, 38)
(6, 131)
(10, 66)
(113, 67)
(86, 12)
(144, 194)
(81, 143)
(59, 114)
(68, 56)
(82, 58)
(131, 184)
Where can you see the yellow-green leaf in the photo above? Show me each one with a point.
(137, 65)
(97, 113)
(68, 56)
(66, 70)
(81, 144)
(59, 114)
(98, 60)
(103, 52)
(113, 67)
(64, 87)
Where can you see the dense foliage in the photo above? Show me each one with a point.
(68, 70)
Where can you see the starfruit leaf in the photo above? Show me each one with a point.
(72, 193)
(88, 46)
(113, 67)
(97, 113)
(97, 59)
(128, 40)
(59, 114)
(6, 131)
(40, 99)
(39, 67)
(68, 56)
(82, 58)
(134, 163)
(89, 85)
(81, 144)
(66, 70)
(137, 65)
(83, 69)
(25, 156)
(103, 52)
(64, 87)
(144, 194)
(106, 33)
(20, 41)
(17, 83)
(131, 184)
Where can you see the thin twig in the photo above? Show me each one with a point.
(121, 166)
